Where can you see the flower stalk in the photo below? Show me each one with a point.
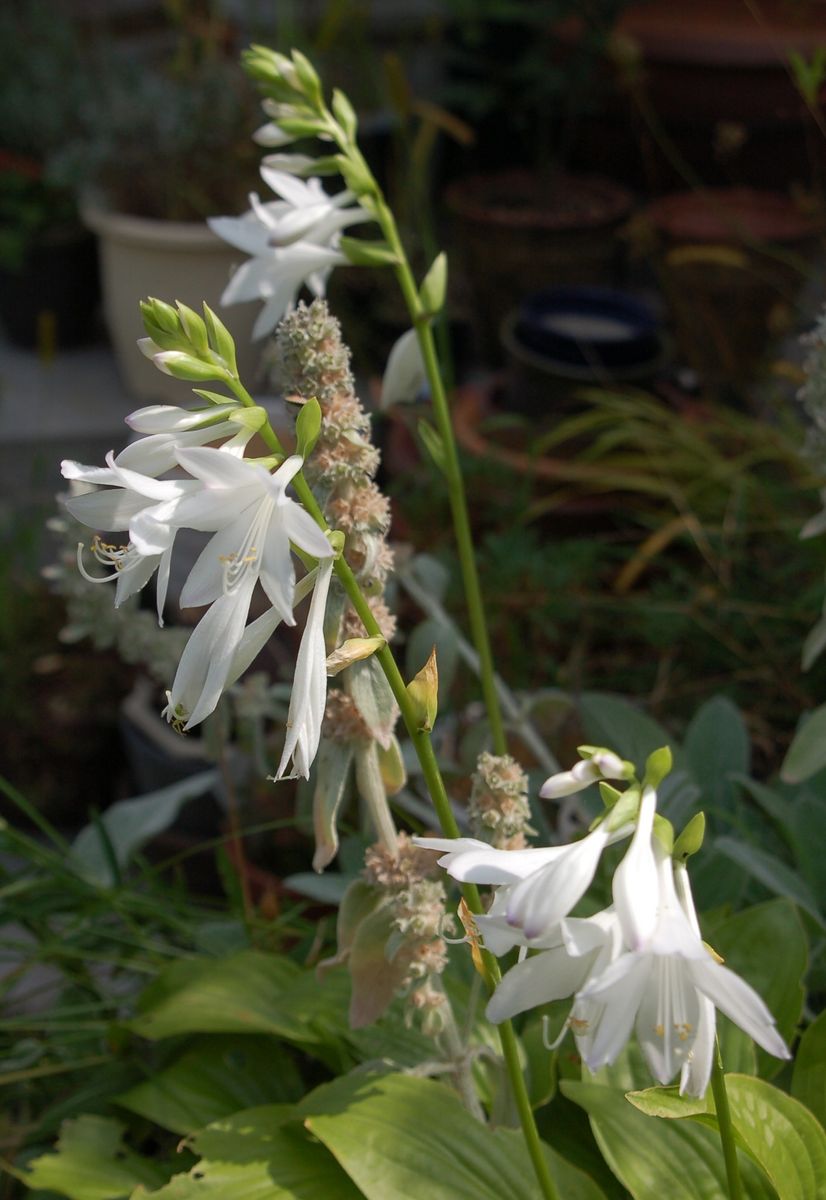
(433, 778)
(724, 1124)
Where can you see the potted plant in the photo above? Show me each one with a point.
(152, 165)
(48, 272)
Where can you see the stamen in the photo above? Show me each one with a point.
(239, 563)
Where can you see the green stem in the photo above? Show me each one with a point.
(718, 1088)
(422, 323)
(438, 793)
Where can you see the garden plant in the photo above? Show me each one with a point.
(619, 1012)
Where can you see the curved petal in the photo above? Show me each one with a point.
(112, 509)
(277, 571)
(740, 1002)
(246, 233)
(302, 530)
(544, 898)
(221, 471)
(548, 975)
(668, 1018)
(696, 1071)
(620, 999)
(636, 886)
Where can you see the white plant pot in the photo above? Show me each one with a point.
(173, 260)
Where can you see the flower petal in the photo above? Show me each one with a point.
(636, 885)
(548, 975)
(740, 1002)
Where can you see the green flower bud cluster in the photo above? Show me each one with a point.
(187, 346)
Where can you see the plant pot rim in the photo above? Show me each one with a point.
(558, 368)
(482, 198)
(730, 215)
(150, 232)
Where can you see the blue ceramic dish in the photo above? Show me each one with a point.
(590, 328)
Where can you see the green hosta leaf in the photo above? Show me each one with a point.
(809, 1077)
(215, 1077)
(246, 993)
(717, 744)
(680, 1160)
(767, 946)
(807, 753)
(404, 1138)
(781, 1135)
(257, 1155)
(777, 1131)
(773, 873)
(91, 1163)
(128, 825)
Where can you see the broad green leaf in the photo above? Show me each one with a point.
(215, 1077)
(781, 1135)
(128, 825)
(767, 946)
(400, 1137)
(773, 873)
(807, 753)
(257, 1155)
(667, 1102)
(613, 722)
(92, 1163)
(809, 1077)
(717, 744)
(777, 1131)
(246, 993)
(652, 1158)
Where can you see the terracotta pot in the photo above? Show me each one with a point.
(172, 260)
(730, 263)
(518, 232)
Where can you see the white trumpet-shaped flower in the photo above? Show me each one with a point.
(543, 885)
(598, 764)
(660, 990)
(293, 242)
(253, 521)
(309, 694)
(127, 494)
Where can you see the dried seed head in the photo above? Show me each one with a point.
(396, 872)
(498, 809)
(342, 720)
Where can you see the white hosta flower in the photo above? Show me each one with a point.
(405, 374)
(254, 521)
(127, 495)
(601, 764)
(309, 694)
(167, 428)
(544, 884)
(292, 242)
(575, 950)
(660, 989)
(201, 679)
(635, 885)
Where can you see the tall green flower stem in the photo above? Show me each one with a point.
(718, 1089)
(423, 324)
(438, 793)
